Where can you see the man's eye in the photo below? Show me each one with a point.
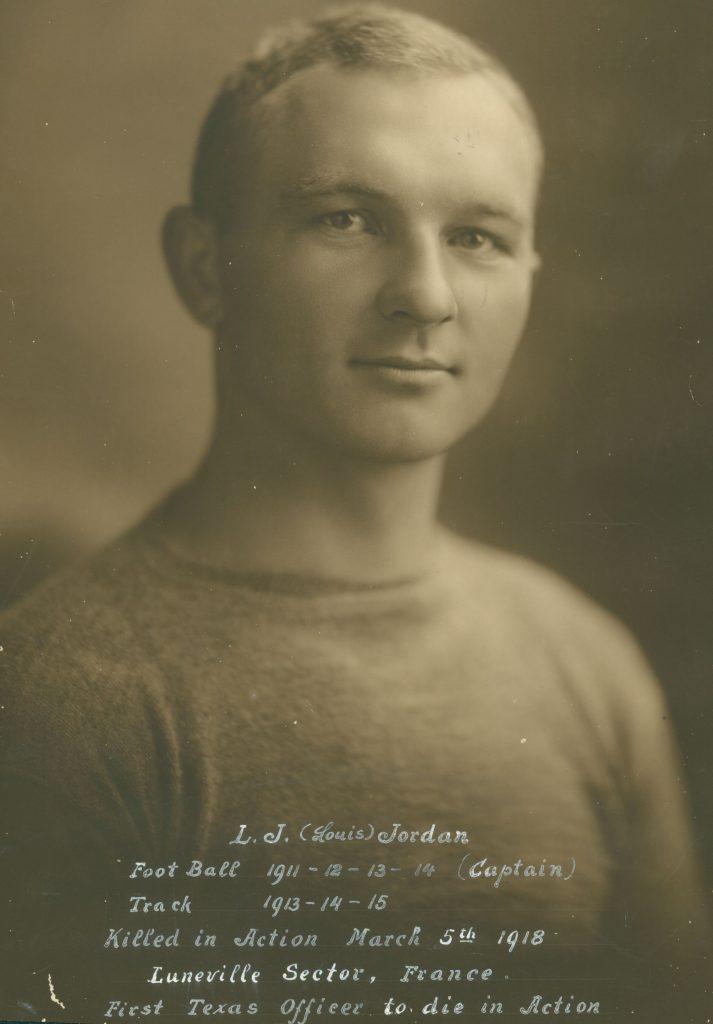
(349, 222)
(479, 241)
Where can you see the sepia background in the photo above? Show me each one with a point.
(597, 460)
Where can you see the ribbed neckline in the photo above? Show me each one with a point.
(296, 593)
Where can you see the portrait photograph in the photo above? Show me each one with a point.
(355, 511)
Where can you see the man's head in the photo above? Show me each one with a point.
(360, 234)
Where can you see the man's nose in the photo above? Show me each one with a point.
(417, 286)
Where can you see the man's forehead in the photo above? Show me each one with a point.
(326, 88)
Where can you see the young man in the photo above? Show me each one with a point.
(292, 639)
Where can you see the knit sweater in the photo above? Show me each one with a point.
(152, 705)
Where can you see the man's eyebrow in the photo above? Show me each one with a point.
(502, 211)
(323, 185)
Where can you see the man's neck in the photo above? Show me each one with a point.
(282, 506)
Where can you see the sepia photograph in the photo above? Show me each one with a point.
(355, 510)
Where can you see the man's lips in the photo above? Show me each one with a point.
(404, 363)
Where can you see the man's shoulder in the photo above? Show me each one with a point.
(74, 656)
(88, 600)
(82, 690)
(535, 610)
(527, 588)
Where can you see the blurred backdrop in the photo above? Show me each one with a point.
(597, 460)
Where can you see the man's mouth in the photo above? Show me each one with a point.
(404, 363)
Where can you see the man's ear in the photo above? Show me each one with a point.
(190, 245)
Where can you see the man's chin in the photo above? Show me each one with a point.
(413, 447)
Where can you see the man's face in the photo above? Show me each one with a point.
(377, 277)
